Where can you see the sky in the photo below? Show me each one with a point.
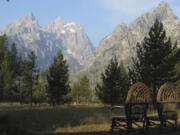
(97, 17)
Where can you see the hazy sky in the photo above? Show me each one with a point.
(97, 17)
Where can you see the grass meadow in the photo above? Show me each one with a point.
(17, 119)
(44, 119)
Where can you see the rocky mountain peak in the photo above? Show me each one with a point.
(163, 4)
(164, 11)
(73, 27)
(122, 24)
(25, 24)
(122, 41)
(29, 17)
(59, 20)
(70, 38)
(55, 26)
(122, 27)
(72, 24)
(28, 20)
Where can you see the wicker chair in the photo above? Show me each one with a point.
(136, 105)
(167, 106)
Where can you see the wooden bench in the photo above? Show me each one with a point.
(135, 108)
(167, 107)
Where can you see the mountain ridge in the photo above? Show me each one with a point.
(122, 43)
(70, 38)
(78, 50)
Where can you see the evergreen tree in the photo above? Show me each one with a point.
(85, 89)
(6, 83)
(58, 81)
(30, 78)
(6, 74)
(40, 94)
(3, 50)
(9, 70)
(115, 84)
(76, 92)
(3, 47)
(81, 91)
(16, 68)
(156, 59)
(3, 42)
(19, 76)
(14, 60)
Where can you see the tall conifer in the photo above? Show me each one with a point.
(58, 81)
(30, 77)
(156, 59)
(115, 84)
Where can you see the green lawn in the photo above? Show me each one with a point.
(23, 119)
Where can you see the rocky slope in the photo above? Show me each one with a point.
(45, 41)
(122, 41)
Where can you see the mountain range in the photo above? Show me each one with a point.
(72, 40)
(122, 41)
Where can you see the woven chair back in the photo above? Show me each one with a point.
(138, 93)
(168, 93)
(168, 98)
(137, 101)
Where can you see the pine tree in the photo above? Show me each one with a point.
(14, 60)
(19, 76)
(81, 90)
(6, 74)
(9, 70)
(156, 59)
(115, 84)
(40, 93)
(3, 47)
(75, 93)
(30, 77)
(85, 89)
(7, 80)
(16, 68)
(58, 81)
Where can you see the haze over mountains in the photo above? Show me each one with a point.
(76, 46)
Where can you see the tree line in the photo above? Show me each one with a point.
(22, 81)
(17, 76)
(156, 62)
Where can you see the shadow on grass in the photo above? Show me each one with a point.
(137, 131)
(153, 131)
(102, 133)
(83, 133)
(44, 119)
